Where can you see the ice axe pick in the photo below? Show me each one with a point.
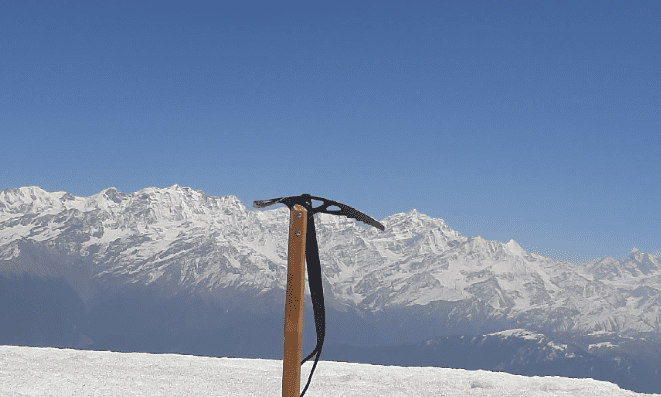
(303, 247)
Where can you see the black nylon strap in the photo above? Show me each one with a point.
(316, 292)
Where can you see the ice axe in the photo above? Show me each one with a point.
(303, 247)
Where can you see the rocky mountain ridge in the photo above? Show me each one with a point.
(184, 240)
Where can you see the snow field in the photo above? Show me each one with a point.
(36, 371)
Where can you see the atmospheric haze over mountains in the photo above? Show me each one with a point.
(174, 270)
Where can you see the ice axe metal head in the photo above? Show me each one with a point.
(305, 200)
(303, 248)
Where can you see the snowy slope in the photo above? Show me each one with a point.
(67, 372)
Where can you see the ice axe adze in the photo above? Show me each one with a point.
(302, 247)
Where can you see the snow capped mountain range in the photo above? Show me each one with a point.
(159, 270)
(184, 240)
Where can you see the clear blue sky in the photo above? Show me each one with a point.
(533, 121)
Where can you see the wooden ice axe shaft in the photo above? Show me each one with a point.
(294, 310)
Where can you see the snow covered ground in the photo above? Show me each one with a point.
(35, 371)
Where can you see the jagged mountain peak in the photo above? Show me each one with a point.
(32, 199)
(25, 194)
(515, 248)
(637, 264)
(416, 222)
(190, 203)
